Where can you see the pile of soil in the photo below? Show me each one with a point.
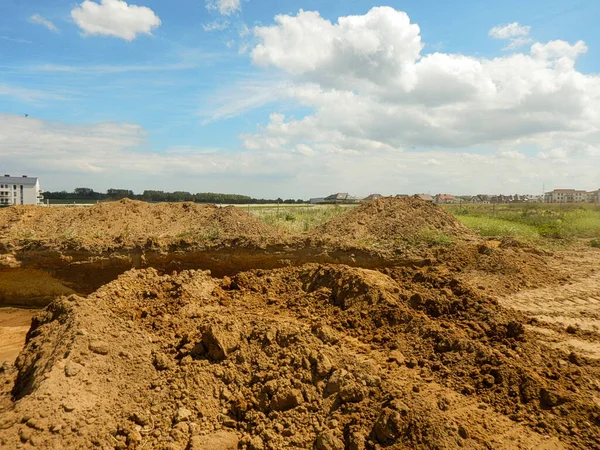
(394, 220)
(127, 224)
(503, 266)
(318, 356)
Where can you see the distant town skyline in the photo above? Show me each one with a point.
(301, 98)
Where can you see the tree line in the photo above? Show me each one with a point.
(83, 193)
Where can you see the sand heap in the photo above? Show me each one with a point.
(319, 356)
(127, 223)
(394, 220)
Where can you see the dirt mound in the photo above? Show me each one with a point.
(501, 266)
(320, 356)
(395, 220)
(127, 223)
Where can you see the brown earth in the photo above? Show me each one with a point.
(437, 345)
(14, 324)
(127, 224)
(396, 221)
(324, 356)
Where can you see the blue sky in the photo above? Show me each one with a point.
(301, 99)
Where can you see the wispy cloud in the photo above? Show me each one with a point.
(36, 18)
(28, 95)
(509, 31)
(15, 40)
(245, 96)
(517, 35)
(217, 25)
(225, 7)
(108, 69)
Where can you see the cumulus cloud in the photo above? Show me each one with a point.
(114, 18)
(105, 155)
(373, 47)
(369, 86)
(225, 7)
(558, 49)
(517, 35)
(36, 18)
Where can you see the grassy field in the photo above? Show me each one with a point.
(531, 222)
(296, 218)
(536, 223)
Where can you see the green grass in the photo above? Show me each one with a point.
(489, 226)
(537, 223)
(298, 218)
(432, 238)
(531, 221)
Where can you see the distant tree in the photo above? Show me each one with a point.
(84, 192)
(117, 194)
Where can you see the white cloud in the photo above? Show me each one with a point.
(372, 47)
(36, 18)
(15, 40)
(517, 35)
(558, 49)
(367, 84)
(105, 155)
(511, 30)
(511, 154)
(225, 7)
(28, 95)
(216, 25)
(114, 18)
(244, 30)
(111, 69)
(246, 95)
(519, 42)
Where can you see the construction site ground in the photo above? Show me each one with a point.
(182, 326)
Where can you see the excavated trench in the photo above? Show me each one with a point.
(36, 278)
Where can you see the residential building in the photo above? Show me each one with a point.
(480, 198)
(426, 197)
(444, 199)
(371, 197)
(594, 196)
(566, 196)
(341, 197)
(20, 191)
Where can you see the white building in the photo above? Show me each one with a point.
(20, 191)
(566, 196)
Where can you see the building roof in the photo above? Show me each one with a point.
(426, 197)
(373, 197)
(446, 197)
(18, 180)
(340, 196)
(566, 191)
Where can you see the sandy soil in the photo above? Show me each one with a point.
(566, 316)
(473, 344)
(14, 324)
